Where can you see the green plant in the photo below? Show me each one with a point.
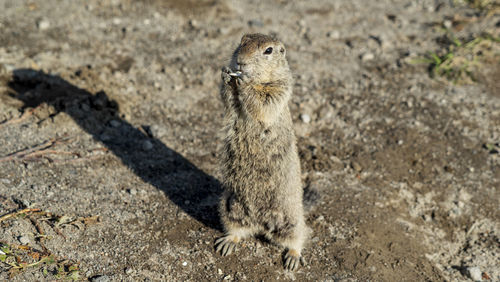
(20, 258)
(458, 62)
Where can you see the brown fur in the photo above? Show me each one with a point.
(259, 161)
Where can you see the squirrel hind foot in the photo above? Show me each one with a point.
(226, 245)
(292, 260)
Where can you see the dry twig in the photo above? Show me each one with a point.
(26, 152)
(24, 116)
(43, 150)
(26, 211)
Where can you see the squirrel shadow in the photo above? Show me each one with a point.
(191, 189)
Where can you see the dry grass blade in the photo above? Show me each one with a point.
(23, 116)
(23, 211)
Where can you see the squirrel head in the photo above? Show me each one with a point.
(261, 58)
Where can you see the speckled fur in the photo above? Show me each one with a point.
(259, 161)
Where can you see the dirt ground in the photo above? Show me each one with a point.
(110, 121)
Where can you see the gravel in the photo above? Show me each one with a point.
(130, 91)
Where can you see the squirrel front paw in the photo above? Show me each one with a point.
(225, 75)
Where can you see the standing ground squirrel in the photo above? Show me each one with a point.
(259, 160)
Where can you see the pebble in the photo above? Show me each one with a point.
(43, 24)
(223, 30)
(448, 24)
(335, 34)
(24, 240)
(367, 57)
(356, 166)
(114, 123)
(128, 270)
(256, 23)
(147, 145)
(132, 191)
(158, 131)
(305, 118)
(193, 23)
(100, 278)
(474, 273)
(219, 271)
(105, 137)
(5, 181)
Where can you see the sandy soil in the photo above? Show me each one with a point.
(110, 119)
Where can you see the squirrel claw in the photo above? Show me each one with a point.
(292, 260)
(226, 77)
(225, 245)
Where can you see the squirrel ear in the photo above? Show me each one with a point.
(245, 38)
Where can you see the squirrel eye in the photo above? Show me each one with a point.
(268, 51)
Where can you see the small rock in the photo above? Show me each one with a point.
(132, 191)
(24, 240)
(100, 278)
(356, 166)
(5, 181)
(219, 271)
(158, 131)
(114, 123)
(85, 107)
(223, 30)
(147, 145)
(367, 57)
(474, 273)
(105, 137)
(128, 270)
(43, 24)
(335, 34)
(255, 23)
(305, 118)
(447, 24)
(184, 263)
(193, 23)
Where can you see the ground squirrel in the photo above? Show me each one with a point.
(259, 161)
